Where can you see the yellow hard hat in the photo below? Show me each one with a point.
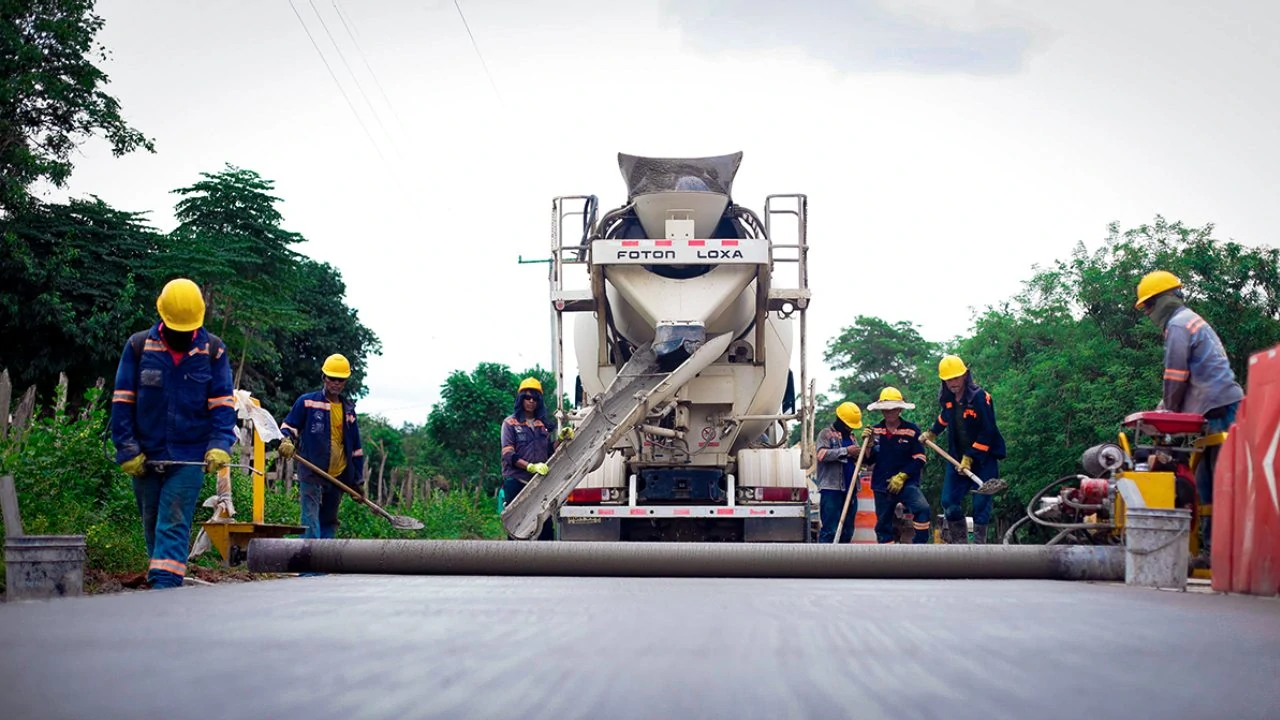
(891, 394)
(890, 398)
(529, 383)
(181, 305)
(1154, 283)
(336, 366)
(849, 414)
(951, 366)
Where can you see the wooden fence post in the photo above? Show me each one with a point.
(9, 506)
(6, 391)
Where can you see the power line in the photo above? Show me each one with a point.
(342, 12)
(343, 58)
(335, 82)
(476, 45)
(341, 16)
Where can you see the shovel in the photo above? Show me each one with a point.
(849, 495)
(990, 487)
(399, 522)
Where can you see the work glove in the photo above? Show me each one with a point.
(135, 466)
(215, 460)
(538, 468)
(566, 433)
(896, 482)
(927, 437)
(286, 449)
(867, 433)
(966, 464)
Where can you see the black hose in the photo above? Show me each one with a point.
(1065, 527)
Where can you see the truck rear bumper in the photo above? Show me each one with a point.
(744, 523)
(779, 510)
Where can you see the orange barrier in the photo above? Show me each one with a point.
(864, 522)
(1246, 488)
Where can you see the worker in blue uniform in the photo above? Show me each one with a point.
(968, 413)
(897, 457)
(172, 404)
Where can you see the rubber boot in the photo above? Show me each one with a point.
(957, 532)
(979, 534)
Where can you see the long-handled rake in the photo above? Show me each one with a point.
(990, 487)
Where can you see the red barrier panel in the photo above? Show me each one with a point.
(1246, 503)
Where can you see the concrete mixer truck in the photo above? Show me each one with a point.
(684, 331)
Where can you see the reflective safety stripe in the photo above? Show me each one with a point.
(223, 401)
(508, 448)
(919, 456)
(920, 525)
(941, 421)
(1194, 326)
(173, 566)
(153, 346)
(316, 404)
(358, 453)
(124, 396)
(1177, 375)
(981, 448)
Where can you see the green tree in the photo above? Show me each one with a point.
(465, 426)
(326, 325)
(76, 280)
(230, 241)
(52, 95)
(875, 353)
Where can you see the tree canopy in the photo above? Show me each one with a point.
(52, 95)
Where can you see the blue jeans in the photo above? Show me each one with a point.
(1204, 468)
(913, 499)
(830, 505)
(320, 502)
(167, 504)
(1222, 424)
(955, 486)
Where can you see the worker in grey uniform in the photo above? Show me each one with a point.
(1197, 373)
(837, 451)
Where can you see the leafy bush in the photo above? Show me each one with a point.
(69, 485)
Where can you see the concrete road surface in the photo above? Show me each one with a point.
(509, 647)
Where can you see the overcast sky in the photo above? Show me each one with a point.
(946, 146)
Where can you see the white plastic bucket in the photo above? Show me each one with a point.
(1156, 552)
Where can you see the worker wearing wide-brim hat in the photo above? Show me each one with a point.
(897, 457)
(837, 452)
(528, 441)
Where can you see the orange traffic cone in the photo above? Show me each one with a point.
(864, 521)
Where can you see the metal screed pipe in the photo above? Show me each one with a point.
(581, 559)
